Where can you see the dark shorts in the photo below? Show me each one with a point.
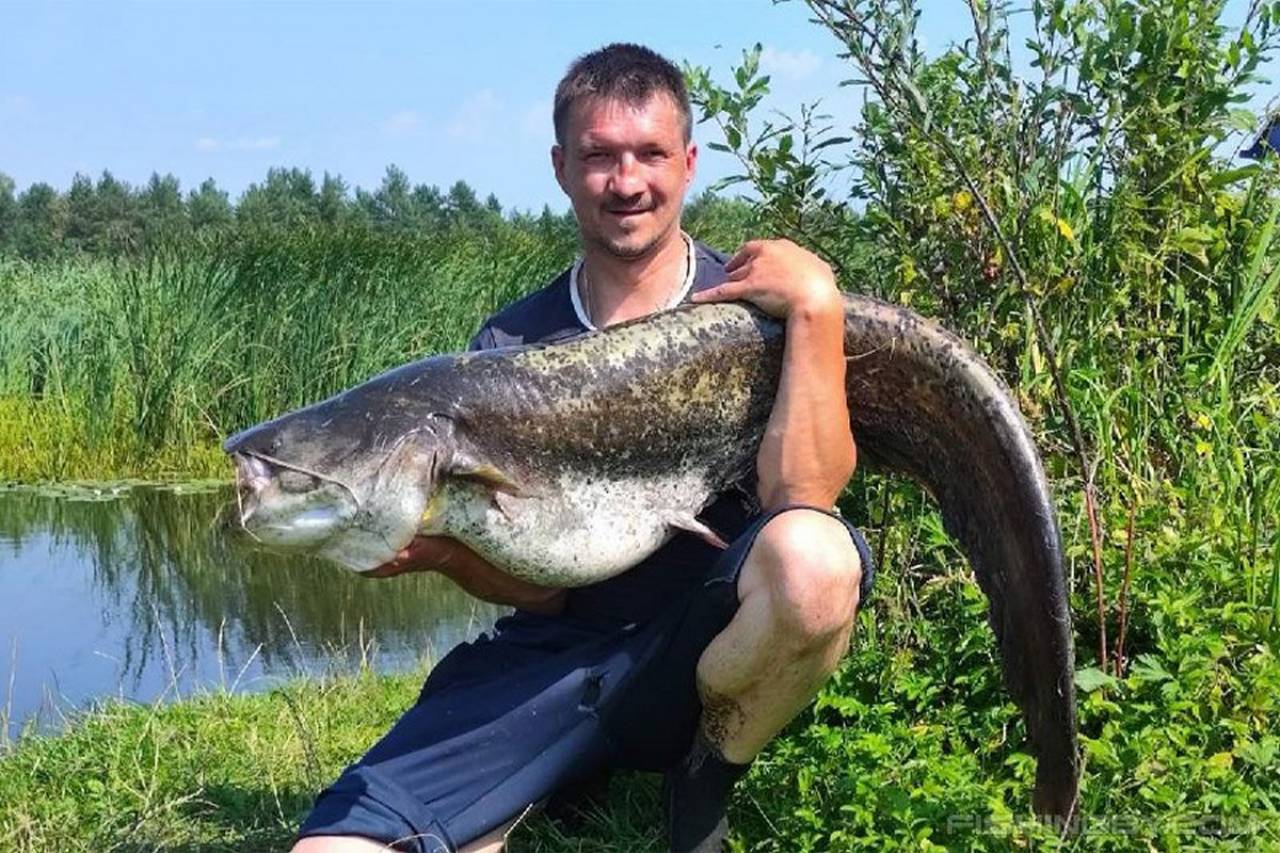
(540, 703)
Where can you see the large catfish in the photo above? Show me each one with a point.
(567, 463)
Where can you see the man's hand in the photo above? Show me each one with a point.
(470, 571)
(781, 279)
(807, 454)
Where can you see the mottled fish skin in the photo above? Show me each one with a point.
(528, 453)
(925, 405)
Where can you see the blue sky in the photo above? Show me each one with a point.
(443, 90)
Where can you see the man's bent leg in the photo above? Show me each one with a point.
(502, 722)
(798, 592)
(798, 588)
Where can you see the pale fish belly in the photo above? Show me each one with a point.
(578, 531)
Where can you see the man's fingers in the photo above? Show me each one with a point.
(720, 293)
(749, 250)
(403, 561)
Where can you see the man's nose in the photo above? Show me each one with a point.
(626, 180)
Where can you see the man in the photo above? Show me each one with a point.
(690, 662)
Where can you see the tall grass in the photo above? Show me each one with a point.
(140, 366)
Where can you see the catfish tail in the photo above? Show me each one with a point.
(924, 404)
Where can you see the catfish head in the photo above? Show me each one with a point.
(347, 479)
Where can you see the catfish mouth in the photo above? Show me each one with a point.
(287, 506)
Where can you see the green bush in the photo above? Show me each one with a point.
(1087, 229)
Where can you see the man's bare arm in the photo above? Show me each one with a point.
(808, 453)
(472, 572)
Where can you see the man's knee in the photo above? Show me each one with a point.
(807, 563)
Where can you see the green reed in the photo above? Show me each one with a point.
(142, 365)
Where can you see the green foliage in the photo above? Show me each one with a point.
(1085, 229)
(8, 209)
(209, 208)
(139, 365)
(111, 219)
(40, 223)
(784, 161)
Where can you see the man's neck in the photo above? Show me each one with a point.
(621, 289)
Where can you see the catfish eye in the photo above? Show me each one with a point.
(296, 481)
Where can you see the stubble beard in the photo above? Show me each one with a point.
(626, 251)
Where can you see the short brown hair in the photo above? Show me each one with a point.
(627, 72)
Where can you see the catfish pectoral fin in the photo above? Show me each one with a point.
(684, 521)
(489, 475)
(922, 403)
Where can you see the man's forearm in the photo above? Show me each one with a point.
(488, 584)
(473, 573)
(808, 454)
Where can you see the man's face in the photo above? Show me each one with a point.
(625, 168)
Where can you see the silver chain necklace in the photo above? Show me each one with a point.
(587, 292)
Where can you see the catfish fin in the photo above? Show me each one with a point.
(506, 502)
(486, 474)
(685, 521)
(505, 490)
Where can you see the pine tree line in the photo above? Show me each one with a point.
(108, 216)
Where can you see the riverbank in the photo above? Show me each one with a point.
(216, 772)
(913, 745)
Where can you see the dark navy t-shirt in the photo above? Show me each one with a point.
(641, 592)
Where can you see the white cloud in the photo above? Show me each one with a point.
(792, 64)
(402, 121)
(243, 143)
(475, 116)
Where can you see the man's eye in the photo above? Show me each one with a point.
(596, 156)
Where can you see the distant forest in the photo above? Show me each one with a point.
(109, 217)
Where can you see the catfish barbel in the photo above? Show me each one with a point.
(567, 463)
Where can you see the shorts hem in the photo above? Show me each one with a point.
(364, 804)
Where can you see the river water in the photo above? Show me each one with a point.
(131, 592)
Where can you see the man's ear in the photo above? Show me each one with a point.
(690, 162)
(557, 165)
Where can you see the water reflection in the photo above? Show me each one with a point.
(136, 594)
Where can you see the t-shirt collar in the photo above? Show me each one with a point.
(691, 271)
